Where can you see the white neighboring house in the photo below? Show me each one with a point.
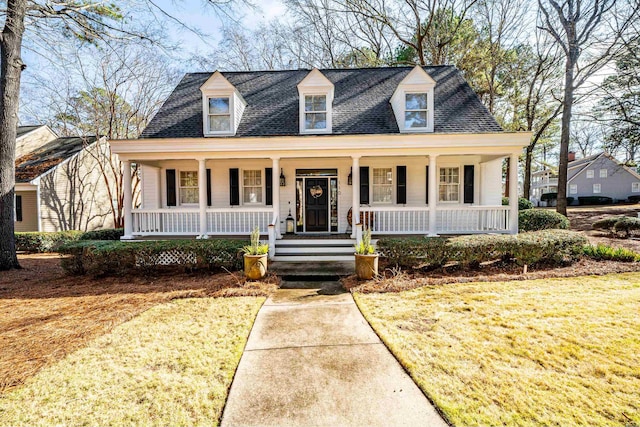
(597, 175)
(404, 150)
(58, 182)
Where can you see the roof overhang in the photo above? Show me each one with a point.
(322, 145)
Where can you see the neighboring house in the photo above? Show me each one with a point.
(406, 150)
(59, 185)
(597, 175)
(31, 137)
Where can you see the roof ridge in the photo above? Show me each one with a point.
(323, 69)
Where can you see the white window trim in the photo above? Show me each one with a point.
(393, 187)
(635, 185)
(460, 200)
(427, 110)
(606, 173)
(590, 172)
(205, 111)
(263, 189)
(179, 187)
(599, 189)
(329, 111)
(573, 188)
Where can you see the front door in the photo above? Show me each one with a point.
(316, 201)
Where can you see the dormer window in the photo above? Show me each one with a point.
(315, 112)
(219, 115)
(415, 113)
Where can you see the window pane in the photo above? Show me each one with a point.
(382, 185)
(315, 121)
(252, 186)
(218, 105)
(253, 194)
(188, 195)
(416, 101)
(382, 176)
(415, 119)
(315, 103)
(188, 179)
(219, 123)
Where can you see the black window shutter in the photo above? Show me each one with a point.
(234, 187)
(208, 187)
(401, 185)
(468, 183)
(268, 185)
(426, 192)
(171, 187)
(18, 208)
(364, 185)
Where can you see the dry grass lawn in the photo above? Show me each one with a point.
(170, 366)
(522, 353)
(45, 315)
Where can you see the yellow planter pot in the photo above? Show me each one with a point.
(366, 266)
(255, 266)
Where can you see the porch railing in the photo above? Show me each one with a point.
(166, 222)
(472, 219)
(395, 219)
(238, 220)
(187, 221)
(454, 220)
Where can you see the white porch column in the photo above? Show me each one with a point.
(433, 195)
(513, 193)
(128, 200)
(275, 185)
(202, 197)
(355, 205)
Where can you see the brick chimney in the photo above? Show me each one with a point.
(572, 156)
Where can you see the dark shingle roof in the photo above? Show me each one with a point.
(34, 164)
(361, 103)
(23, 130)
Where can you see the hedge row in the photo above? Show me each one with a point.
(541, 219)
(620, 225)
(114, 258)
(541, 247)
(37, 241)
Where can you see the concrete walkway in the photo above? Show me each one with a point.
(312, 359)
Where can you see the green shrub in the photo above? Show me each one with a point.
(547, 197)
(603, 252)
(523, 204)
(627, 226)
(541, 219)
(546, 246)
(112, 258)
(36, 241)
(595, 200)
(606, 223)
(106, 234)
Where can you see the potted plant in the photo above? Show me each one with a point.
(255, 257)
(366, 257)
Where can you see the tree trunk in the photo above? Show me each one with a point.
(10, 70)
(567, 105)
(528, 158)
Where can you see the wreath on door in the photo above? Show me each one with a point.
(366, 218)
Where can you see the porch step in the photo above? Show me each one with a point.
(314, 250)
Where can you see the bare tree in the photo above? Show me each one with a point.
(586, 136)
(590, 34)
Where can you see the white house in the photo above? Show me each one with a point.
(403, 150)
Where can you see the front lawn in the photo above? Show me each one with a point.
(172, 365)
(535, 352)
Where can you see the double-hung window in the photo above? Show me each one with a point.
(188, 187)
(219, 114)
(603, 173)
(590, 173)
(596, 188)
(449, 190)
(573, 189)
(415, 111)
(252, 186)
(635, 187)
(315, 112)
(382, 185)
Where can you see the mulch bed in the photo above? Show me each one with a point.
(396, 280)
(46, 314)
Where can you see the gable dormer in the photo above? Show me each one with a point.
(316, 103)
(412, 102)
(222, 106)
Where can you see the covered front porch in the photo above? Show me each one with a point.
(396, 192)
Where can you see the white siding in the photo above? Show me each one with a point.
(29, 212)
(239, 106)
(491, 183)
(150, 187)
(33, 140)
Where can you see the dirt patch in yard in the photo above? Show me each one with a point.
(395, 280)
(45, 314)
(583, 217)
